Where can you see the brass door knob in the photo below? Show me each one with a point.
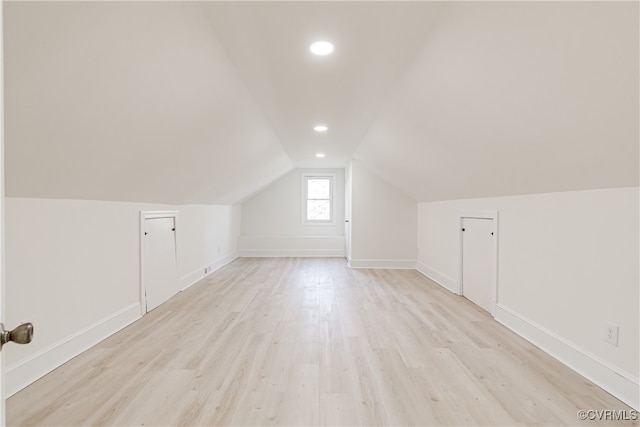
(23, 334)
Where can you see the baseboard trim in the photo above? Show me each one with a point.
(614, 380)
(441, 279)
(195, 276)
(293, 253)
(22, 373)
(388, 264)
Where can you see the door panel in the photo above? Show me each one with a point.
(2, 412)
(478, 261)
(160, 267)
(347, 216)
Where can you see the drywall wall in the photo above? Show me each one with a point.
(272, 220)
(73, 270)
(383, 222)
(567, 263)
(207, 237)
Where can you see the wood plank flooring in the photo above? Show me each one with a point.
(301, 341)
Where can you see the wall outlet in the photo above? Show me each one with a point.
(206, 270)
(611, 333)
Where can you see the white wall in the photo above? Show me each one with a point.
(383, 222)
(207, 237)
(568, 262)
(272, 220)
(73, 270)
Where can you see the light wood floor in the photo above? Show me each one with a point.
(310, 342)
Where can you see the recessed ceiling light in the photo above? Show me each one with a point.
(320, 155)
(321, 48)
(320, 128)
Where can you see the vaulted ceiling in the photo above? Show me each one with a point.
(186, 102)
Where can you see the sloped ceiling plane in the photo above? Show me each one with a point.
(187, 102)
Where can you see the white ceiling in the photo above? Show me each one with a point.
(514, 98)
(186, 102)
(129, 101)
(268, 42)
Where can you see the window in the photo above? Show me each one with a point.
(317, 198)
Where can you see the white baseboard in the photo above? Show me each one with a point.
(293, 253)
(21, 374)
(389, 264)
(614, 380)
(195, 276)
(441, 279)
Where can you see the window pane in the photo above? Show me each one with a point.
(319, 188)
(319, 210)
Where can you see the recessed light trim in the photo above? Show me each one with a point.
(321, 48)
(320, 128)
(320, 155)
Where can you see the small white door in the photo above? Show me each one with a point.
(2, 412)
(347, 216)
(160, 270)
(478, 261)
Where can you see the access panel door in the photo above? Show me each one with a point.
(160, 272)
(478, 261)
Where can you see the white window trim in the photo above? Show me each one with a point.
(303, 199)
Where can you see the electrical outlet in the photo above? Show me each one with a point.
(611, 333)
(206, 270)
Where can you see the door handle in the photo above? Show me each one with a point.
(23, 334)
